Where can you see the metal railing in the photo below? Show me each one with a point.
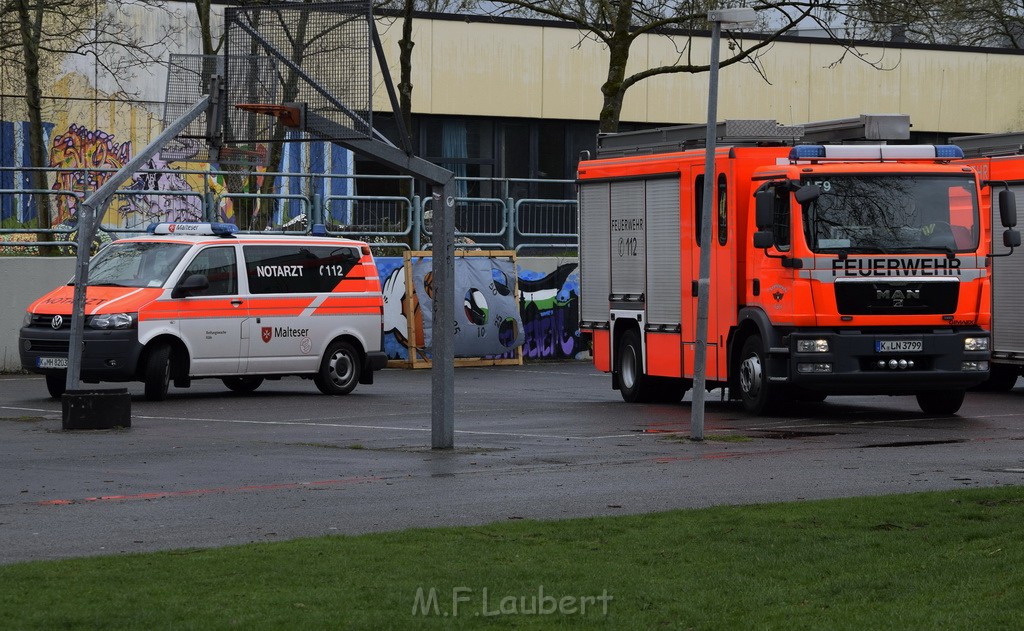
(495, 220)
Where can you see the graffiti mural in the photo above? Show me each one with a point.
(16, 207)
(177, 201)
(82, 149)
(548, 306)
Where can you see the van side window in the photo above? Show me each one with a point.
(218, 264)
(297, 269)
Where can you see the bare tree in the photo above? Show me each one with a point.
(38, 36)
(617, 24)
(986, 23)
(406, 10)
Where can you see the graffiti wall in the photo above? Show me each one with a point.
(548, 305)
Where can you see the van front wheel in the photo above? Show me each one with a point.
(56, 383)
(339, 370)
(156, 373)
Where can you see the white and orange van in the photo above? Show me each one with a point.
(193, 301)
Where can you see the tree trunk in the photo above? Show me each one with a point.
(34, 102)
(614, 90)
(405, 46)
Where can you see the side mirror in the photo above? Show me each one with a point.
(192, 284)
(1011, 238)
(807, 194)
(764, 239)
(764, 209)
(1007, 208)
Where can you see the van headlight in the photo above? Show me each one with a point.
(114, 321)
(27, 320)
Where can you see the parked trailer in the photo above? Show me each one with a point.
(836, 269)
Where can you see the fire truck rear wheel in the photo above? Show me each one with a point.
(758, 394)
(156, 372)
(634, 385)
(941, 403)
(339, 369)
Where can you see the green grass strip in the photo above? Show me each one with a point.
(950, 560)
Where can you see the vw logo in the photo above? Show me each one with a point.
(56, 322)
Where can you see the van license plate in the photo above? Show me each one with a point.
(900, 346)
(52, 362)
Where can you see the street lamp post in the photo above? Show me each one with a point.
(717, 18)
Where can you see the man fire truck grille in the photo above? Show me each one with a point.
(886, 298)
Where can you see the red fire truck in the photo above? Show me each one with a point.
(835, 268)
(999, 159)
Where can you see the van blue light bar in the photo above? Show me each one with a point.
(876, 152)
(218, 229)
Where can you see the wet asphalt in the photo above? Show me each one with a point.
(208, 467)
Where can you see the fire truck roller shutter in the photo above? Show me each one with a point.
(595, 281)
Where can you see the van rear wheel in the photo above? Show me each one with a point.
(56, 384)
(339, 369)
(242, 384)
(156, 372)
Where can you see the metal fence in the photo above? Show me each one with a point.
(382, 210)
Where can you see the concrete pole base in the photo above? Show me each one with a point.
(96, 409)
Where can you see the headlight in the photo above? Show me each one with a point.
(975, 343)
(812, 346)
(27, 320)
(114, 321)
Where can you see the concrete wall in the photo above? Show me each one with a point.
(539, 71)
(25, 279)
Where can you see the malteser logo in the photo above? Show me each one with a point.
(171, 228)
(268, 333)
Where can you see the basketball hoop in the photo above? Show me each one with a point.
(287, 115)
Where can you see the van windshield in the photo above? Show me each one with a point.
(135, 264)
(892, 213)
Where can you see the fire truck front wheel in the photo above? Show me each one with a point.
(941, 403)
(759, 396)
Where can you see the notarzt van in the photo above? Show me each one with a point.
(194, 301)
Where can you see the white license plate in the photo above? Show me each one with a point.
(52, 362)
(898, 346)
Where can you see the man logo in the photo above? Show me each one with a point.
(268, 333)
(898, 296)
(56, 322)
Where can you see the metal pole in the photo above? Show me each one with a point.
(442, 369)
(89, 212)
(732, 16)
(704, 281)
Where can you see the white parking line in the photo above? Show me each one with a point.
(312, 423)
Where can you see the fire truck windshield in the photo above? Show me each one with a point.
(890, 213)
